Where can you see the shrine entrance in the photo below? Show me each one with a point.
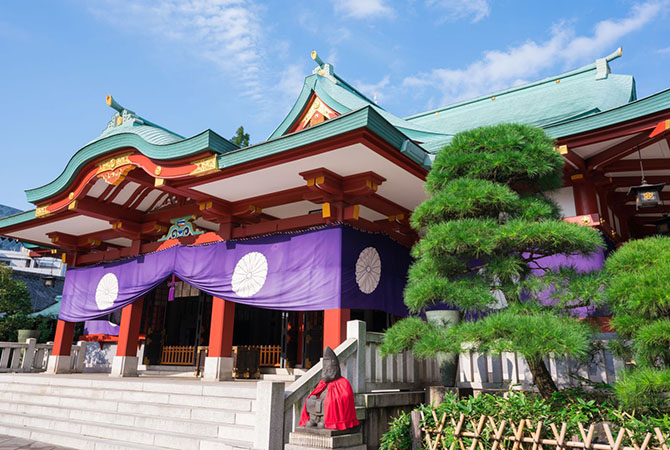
(175, 329)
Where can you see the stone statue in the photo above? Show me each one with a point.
(331, 404)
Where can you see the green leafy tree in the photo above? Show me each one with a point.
(638, 291)
(241, 138)
(486, 228)
(14, 305)
(14, 296)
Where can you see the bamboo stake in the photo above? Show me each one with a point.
(536, 436)
(517, 435)
(661, 439)
(439, 431)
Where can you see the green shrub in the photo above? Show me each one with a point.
(399, 436)
(568, 406)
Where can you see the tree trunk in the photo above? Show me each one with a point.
(541, 377)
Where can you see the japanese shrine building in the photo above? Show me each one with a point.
(282, 242)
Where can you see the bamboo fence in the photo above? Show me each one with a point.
(486, 433)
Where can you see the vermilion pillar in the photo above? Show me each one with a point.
(59, 361)
(125, 361)
(335, 327)
(63, 338)
(221, 328)
(219, 362)
(586, 201)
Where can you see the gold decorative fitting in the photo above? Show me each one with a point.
(602, 221)
(577, 176)
(119, 121)
(558, 81)
(562, 149)
(113, 163)
(325, 210)
(42, 211)
(54, 251)
(320, 180)
(437, 113)
(158, 170)
(158, 182)
(72, 205)
(71, 196)
(493, 98)
(205, 166)
(586, 220)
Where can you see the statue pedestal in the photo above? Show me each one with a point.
(308, 438)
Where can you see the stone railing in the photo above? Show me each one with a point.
(480, 371)
(34, 357)
(367, 371)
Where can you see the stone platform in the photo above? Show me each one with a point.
(321, 438)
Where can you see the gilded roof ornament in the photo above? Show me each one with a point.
(122, 117)
(322, 68)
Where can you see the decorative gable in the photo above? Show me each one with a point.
(315, 113)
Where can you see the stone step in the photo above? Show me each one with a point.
(109, 400)
(47, 405)
(155, 422)
(68, 439)
(84, 429)
(232, 389)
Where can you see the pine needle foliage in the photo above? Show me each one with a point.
(486, 228)
(638, 291)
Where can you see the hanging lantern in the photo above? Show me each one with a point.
(663, 225)
(647, 195)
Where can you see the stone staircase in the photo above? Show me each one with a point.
(98, 412)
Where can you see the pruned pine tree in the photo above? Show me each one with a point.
(637, 288)
(485, 229)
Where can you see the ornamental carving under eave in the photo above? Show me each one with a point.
(205, 165)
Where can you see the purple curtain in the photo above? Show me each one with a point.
(329, 268)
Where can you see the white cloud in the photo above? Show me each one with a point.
(500, 69)
(228, 33)
(461, 9)
(363, 9)
(663, 51)
(374, 91)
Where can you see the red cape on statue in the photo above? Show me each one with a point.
(340, 410)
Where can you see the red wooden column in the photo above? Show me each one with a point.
(219, 362)
(125, 362)
(59, 361)
(586, 201)
(335, 327)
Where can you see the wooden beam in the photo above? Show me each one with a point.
(630, 127)
(90, 207)
(631, 165)
(621, 150)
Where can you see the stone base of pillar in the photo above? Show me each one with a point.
(218, 368)
(124, 366)
(59, 364)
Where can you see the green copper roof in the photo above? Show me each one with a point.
(642, 107)
(366, 117)
(552, 100)
(343, 98)
(207, 140)
(17, 218)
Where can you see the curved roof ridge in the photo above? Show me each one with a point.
(571, 73)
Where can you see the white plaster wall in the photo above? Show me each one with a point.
(566, 200)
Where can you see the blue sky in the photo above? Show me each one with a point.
(190, 65)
